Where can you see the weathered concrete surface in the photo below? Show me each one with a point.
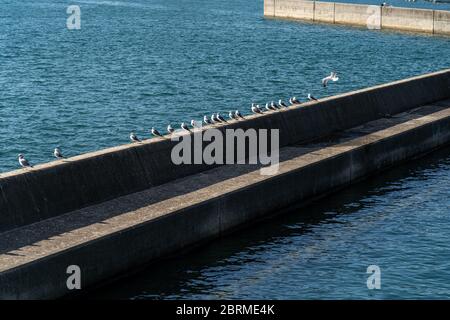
(354, 14)
(269, 8)
(48, 190)
(118, 235)
(295, 9)
(324, 11)
(370, 16)
(442, 22)
(407, 19)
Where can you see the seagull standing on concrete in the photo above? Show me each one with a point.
(268, 108)
(57, 153)
(311, 98)
(238, 114)
(134, 137)
(232, 116)
(282, 104)
(170, 130)
(274, 106)
(193, 123)
(156, 133)
(332, 77)
(256, 109)
(206, 120)
(185, 127)
(220, 118)
(24, 162)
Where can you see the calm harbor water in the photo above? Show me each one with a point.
(135, 64)
(143, 63)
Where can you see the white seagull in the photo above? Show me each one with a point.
(185, 127)
(232, 116)
(206, 120)
(220, 118)
(311, 98)
(238, 114)
(268, 108)
(332, 77)
(170, 129)
(134, 137)
(57, 153)
(156, 133)
(24, 162)
(256, 109)
(281, 103)
(193, 123)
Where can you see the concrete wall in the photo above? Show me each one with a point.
(48, 190)
(442, 22)
(370, 16)
(324, 11)
(269, 8)
(354, 14)
(407, 19)
(294, 9)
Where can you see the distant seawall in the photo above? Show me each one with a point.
(115, 210)
(371, 16)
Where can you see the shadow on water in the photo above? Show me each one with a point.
(174, 277)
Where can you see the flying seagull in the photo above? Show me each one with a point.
(24, 162)
(256, 109)
(206, 120)
(134, 137)
(281, 103)
(238, 114)
(156, 133)
(332, 77)
(185, 127)
(311, 98)
(57, 153)
(170, 129)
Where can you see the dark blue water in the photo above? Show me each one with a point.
(399, 221)
(143, 63)
(137, 64)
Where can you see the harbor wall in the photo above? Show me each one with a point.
(52, 189)
(370, 16)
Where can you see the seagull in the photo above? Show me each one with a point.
(268, 108)
(193, 123)
(274, 106)
(156, 133)
(295, 100)
(332, 77)
(185, 127)
(232, 116)
(206, 120)
(220, 118)
(170, 129)
(134, 138)
(238, 114)
(256, 109)
(24, 162)
(282, 104)
(311, 98)
(57, 153)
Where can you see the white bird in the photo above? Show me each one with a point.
(295, 100)
(220, 118)
(282, 104)
(238, 114)
(156, 133)
(170, 129)
(274, 106)
(193, 123)
(256, 109)
(206, 120)
(232, 116)
(268, 108)
(24, 162)
(185, 127)
(134, 137)
(311, 98)
(57, 153)
(332, 77)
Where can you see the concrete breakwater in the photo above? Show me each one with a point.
(117, 209)
(370, 16)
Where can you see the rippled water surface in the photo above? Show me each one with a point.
(138, 64)
(143, 63)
